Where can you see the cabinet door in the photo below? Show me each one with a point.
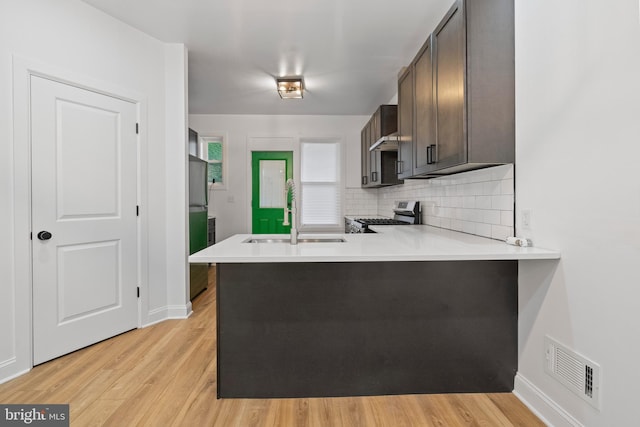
(364, 156)
(405, 124)
(374, 156)
(388, 118)
(424, 141)
(449, 51)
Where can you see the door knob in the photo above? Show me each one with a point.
(44, 235)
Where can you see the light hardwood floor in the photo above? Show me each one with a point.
(165, 375)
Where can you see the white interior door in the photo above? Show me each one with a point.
(84, 192)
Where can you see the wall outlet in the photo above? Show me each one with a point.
(526, 219)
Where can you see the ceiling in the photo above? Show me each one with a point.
(349, 51)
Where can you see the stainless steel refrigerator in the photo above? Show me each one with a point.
(198, 215)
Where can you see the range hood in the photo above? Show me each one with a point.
(386, 143)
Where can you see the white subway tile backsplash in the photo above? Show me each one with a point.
(469, 227)
(434, 221)
(506, 218)
(476, 188)
(501, 232)
(507, 186)
(502, 172)
(450, 191)
(502, 202)
(445, 222)
(360, 201)
(483, 230)
(492, 188)
(456, 225)
(492, 217)
(483, 202)
(469, 202)
(478, 202)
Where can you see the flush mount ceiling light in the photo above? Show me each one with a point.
(290, 87)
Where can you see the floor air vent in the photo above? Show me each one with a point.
(577, 373)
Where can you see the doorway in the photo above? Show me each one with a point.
(269, 173)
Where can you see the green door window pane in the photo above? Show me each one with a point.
(214, 151)
(215, 172)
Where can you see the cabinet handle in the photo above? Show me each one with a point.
(364, 180)
(374, 176)
(431, 154)
(434, 153)
(399, 167)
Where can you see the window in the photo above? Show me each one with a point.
(320, 194)
(214, 153)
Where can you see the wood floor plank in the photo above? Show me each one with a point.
(481, 410)
(166, 375)
(181, 381)
(516, 411)
(98, 415)
(440, 410)
(199, 406)
(320, 413)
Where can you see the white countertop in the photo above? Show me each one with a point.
(389, 243)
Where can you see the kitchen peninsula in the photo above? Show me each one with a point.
(410, 309)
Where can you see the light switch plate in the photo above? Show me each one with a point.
(526, 219)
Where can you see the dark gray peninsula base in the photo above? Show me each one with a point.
(366, 328)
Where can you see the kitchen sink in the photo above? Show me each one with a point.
(252, 240)
(322, 240)
(300, 240)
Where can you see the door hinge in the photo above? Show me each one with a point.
(31, 235)
(137, 210)
(138, 291)
(137, 129)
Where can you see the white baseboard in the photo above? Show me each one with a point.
(154, 316)
(168, 312)
(7, 368)
(542, 405)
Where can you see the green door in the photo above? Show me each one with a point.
(269, 173)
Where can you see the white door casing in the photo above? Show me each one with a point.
(84, 192)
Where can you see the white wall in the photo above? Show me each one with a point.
(231, 206)
(578, 130)
(72, 36)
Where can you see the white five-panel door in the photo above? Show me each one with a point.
(84, 192)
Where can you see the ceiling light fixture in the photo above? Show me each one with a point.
(290, 87)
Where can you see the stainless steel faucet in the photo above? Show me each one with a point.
(290, 188)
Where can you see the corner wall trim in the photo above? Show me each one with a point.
(160, 314)
(542, 405)
(179, 311)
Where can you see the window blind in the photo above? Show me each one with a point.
(321, 196)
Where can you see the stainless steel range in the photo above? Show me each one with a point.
(405, 213)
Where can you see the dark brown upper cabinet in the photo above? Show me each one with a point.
(379, 166)
(405, 124)
(425, 111)
(463, 92)
(365, 160)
